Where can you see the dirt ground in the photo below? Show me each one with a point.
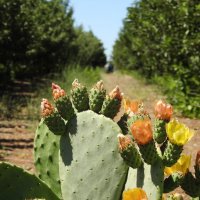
(16, 136)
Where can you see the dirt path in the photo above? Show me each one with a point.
(16, 143)
(16, 137)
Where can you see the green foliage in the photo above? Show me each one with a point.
(90, 49)
(25, 105)
(162, 37)
(36, 36)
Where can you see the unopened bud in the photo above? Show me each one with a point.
(46, 108)
(116, 94)
(57, 91)
(163, 110)
(76, 84)
(124, 142)
(99, 85)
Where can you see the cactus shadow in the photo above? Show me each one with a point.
(140, 177)
(66, 150)
(157, 174)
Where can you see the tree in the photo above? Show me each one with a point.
(90, 49)
(162, 37)
(36, 36)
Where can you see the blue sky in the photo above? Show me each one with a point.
(103, 17)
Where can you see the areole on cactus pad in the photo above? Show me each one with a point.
(82, 153)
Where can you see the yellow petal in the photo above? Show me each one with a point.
(178, 133)
(134, 194)
(182, 165)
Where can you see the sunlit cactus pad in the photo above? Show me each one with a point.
(90, 165)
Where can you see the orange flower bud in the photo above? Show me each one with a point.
(198, 159)
(116, 94)
(57, 92)
(131, 106)
(46, 108)
(142, 131)
(124, 142)
(163, 110)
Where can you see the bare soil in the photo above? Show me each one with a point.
(16, 136)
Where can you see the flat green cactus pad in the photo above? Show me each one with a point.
(16, 184)
(46, 147)
(90, 166)
(149, 178)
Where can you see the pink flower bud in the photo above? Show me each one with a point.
(124, 142)
(46, 108)
(57, 91)
(163, 110)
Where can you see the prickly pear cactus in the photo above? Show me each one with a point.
(90, 165)
(46, 148)
(81, 153)
(15, 183)
(163, 167)
(89, 157)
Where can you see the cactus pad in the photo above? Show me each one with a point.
(171, 154)
(149, 178)
(46, 148)
(90, 166)
(15, 183)
(79, 96)
(64, 107)
(159, 131)
(110, 107)
(96, 97)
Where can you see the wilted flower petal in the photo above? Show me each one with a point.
(131, 106)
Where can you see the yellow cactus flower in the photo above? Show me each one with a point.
(182, 165)
(178, 133)
(134, 194)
